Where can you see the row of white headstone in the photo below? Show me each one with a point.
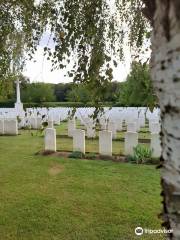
(36, 123)
(105, 141)
(137, 115)
(31, 122)
(154, 127)
(131, 141)
(11, 123)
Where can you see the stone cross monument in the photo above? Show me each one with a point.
(18, 104)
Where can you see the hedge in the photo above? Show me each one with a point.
(10, 104)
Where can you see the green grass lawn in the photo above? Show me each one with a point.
(50, 198)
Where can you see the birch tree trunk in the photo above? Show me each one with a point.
(165, 69)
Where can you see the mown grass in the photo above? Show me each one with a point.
(44, 198)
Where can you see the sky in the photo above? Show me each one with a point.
(39, 68)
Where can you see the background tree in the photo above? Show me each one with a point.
(7, 88)
(137, 90)
(61, 90)
(79, 93)
(15, 29)
(38, 92)
(113, 92)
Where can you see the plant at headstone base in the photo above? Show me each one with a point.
(76, 155)
(141, 154)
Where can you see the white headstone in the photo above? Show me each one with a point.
(119, 124)
(57, 119)
(50, 124)
(131, 141)
(71, 127)
(79, 140)
(39, 122)
(10, 127)
(112, 128)
(103, 124)
(33, 122)
(50, 139)
(142, 121)
(91, 132)
(155, 127)
(155, 145)
(152, 122)
(1, 126)
(105, 143)
(131, 127)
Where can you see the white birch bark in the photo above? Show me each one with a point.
(165, 69)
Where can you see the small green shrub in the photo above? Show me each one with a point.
(142, 154)
(76, 155)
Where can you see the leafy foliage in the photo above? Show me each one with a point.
(82, 93)
(38, 92)
(61, 91)
(15, 28)
(6, 87)
(135, 91)
(90, 31)
(79, 93)
(138, 89)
